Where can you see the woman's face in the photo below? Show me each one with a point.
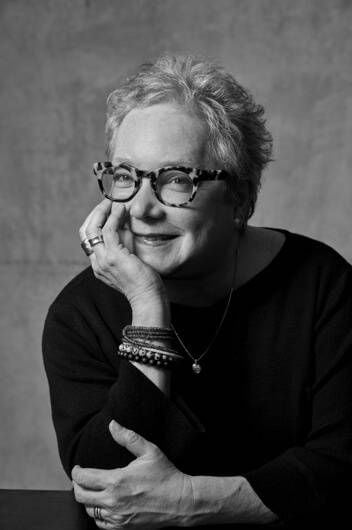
(196, 238)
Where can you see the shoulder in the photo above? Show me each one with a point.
(313, 266)
(80, 289)
(85, 294)
(288, 258)
(265, 249)
(271, 241)
(86, 318)
(314, 253)
(81, 284)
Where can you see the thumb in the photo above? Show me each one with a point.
(134, 442)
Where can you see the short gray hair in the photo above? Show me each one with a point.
(237, 137)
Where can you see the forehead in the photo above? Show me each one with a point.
(159, 135)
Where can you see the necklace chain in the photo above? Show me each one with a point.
(196, 367)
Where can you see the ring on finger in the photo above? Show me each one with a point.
(97, 514)
(87, 249)
(96, 240)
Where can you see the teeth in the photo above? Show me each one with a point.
(156, 238)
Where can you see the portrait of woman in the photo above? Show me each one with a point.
(199, 367)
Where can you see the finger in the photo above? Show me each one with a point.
(120, 521)
(83, 228)
(114, 222)
(104, 522)
(88, 496)
(86, 247)
(91, 478)
(90, 511)
(95, 224)
(135, 443)
(106, 525)
(95, 265)
(97, 219)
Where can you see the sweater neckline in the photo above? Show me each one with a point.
(260, 279)
(271, 268)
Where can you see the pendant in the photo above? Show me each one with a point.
(196, 367)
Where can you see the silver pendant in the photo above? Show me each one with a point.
(196, 367)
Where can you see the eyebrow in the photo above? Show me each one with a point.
(164, 164)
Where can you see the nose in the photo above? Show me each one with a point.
(145, 204)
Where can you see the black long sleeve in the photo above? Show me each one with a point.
(273, 402)
(89, 389)
(310, 477)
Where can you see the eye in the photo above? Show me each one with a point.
(122, 178)
(177, 180)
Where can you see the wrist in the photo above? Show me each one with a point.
(159, 376)
(209, 500)
(151, 312)
(226, 500)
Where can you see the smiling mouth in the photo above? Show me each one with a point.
(154, 239)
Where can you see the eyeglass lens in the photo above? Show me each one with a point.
(173, 186)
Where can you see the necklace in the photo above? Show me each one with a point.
(196, 367)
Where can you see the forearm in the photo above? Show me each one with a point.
(155, 314)
(224, 500)
(87, 392)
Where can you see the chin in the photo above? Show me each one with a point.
(162, 266)
(170, 270)
(171, 261)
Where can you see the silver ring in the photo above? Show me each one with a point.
(96, 240)
(97, 513)
(87, 249)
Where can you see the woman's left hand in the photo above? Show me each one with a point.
(148, 493)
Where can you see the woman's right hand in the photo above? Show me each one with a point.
(114, 263)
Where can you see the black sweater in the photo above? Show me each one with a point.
(273, 402)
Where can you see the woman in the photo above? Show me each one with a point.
(199, 369)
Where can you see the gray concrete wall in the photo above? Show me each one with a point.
(59, 60)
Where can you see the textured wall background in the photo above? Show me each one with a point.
(58, 62)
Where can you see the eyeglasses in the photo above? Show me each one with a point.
(173, 185)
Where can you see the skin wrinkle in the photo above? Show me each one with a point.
(150, 138)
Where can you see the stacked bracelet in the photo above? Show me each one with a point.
(137, 345)
(148, 333)
(142, 336)
(152, 356)
(151, 346)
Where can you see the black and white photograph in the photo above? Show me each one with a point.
(176, 265)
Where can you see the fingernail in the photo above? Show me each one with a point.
(113, 424)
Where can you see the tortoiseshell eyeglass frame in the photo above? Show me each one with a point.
(197, 175)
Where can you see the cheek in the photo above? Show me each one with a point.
(213, 231)
(200, 234)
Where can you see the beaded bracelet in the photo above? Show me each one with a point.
(151, 362)
(135, 347)
(151, 348)
(147, 355)
(148, 333)
(145, 343)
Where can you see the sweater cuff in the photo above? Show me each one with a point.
(137, 404)
(283, 488)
